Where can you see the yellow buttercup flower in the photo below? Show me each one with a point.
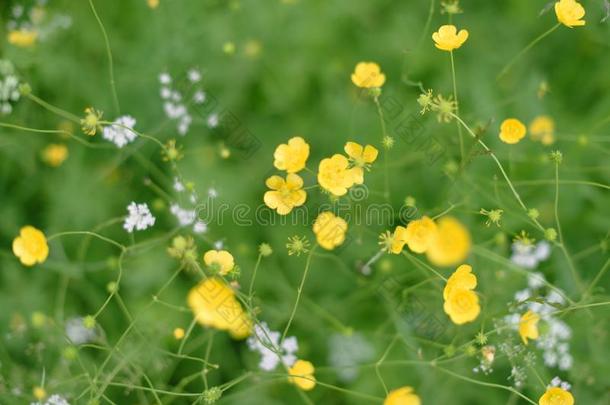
(556, 396)
(420, 233)
(329, 230)
(542, 128)
(461, 279)
(55, 154)
(451, 243)
(402, 396)
(220, 261)
(462, 306)
(152, 3)
(528, 326)
(214, 305)
(178, 333)
(39, 393)
(512, 130)
(398, 240)
(335, 175)
(285, 194)
(301, 375)
(30, 246)
(570, 13)
(367, 75)
(22, 37)
(447, 38)
(291, 156)
(361, 158)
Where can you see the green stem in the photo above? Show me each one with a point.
(457, 109)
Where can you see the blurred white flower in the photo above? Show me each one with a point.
(346, 352)
(267, 343)
(185, 217)
(120, 132)
(200, 227)
(528, 255)
(78, 333)
(165, 78)
(213, 120)
(139, 218)
(53, 400)
(194, 75)
(199, 97)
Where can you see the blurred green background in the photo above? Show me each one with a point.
(289, 75)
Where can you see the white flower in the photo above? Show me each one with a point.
(536, 280)
(267, 343)
(185, 217)
(165, 93)
(213, 120)
(218, 245)
(78, 334)
(200, 227)
(139, 218)
(178, 186)
(212, 192)
(347, 352)
(120, 132)
(165, 78)
(199, 97)
(53, 400)
(194, 75)
(528, 256)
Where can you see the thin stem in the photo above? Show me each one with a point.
(457, 108)
(386, 178)
(258, 262)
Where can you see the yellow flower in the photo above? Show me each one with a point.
(91, 123)
(361, 157)
(542, 128)
(302, 371)
(402, 396)
(285, 194)
(447, 38)
(367, 75)
(556, 396)
(335, 175)
(420, 233)
(462, 306)
(291, 156)
(30, 246)
(329, 230)
(152, 3)
(214, 305)
(528, 326)
(450, 244)
(461, 279)
(22, 37)
(569, 13)
(178, 333)
(398, 240)
(55, 154)
(39, 393)
(220, 261)
(512, 130)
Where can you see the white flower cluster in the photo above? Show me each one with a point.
(267, 343)
(346, 352)
(120, 132)
(555, 342)
(187, 217)
(35, 17)
(78, 333)
(529, 256)
(175, 103)
(139, 218)
(9, 87)
(53, 400)
(557, 382)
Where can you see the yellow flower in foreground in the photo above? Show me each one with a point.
(512, 130)
(285, 194)
(30, 246)
(461, 279)
(220, 261)
(542, 128)
(556, 396)
(420, 233)
(569, 13)
(329, 230)
(402, 396)
(367, 75)
(335, 175)
(462, 306)
(291, 156)
(361, 157)
(450, 244)
(55, 154)
(528, 326)
(214, 305)
(22, 37)
(447, 38)
(302, 371)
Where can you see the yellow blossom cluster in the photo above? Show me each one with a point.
(461, 302)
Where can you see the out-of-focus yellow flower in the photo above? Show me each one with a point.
(570, 13)
(461, 279)
(329, 230)
(402, 396)
(556, 396)
(292, 156)
(335, 175)
(285, 194)
(301, 375)
(361, 157)
(447, 38)
(152, 3)
(220, 261)
(542, 129)
(31, 246)
(512, 130)
(178, 333)
(367, 75)
(39, 393)
(450, 244)
(55, 154)
(23, 38)
(462, 306)
(214, 305)
(420, 233)
(398, 240)
(528, 326)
